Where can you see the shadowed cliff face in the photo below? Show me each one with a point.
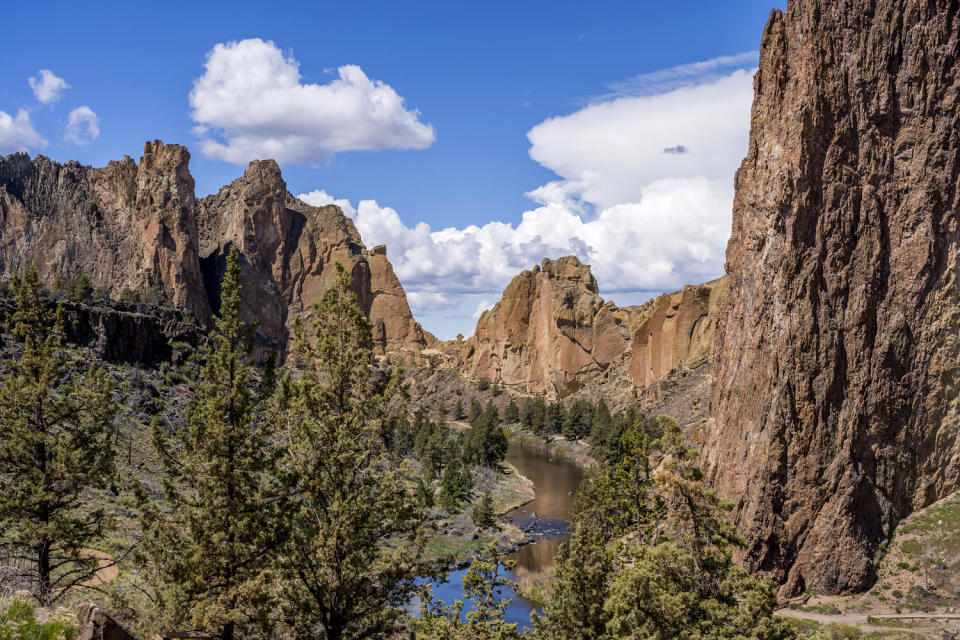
(124, 226)
(130, 226)
(835, 398)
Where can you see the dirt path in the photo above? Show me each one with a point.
(107, 571)
(860, 620)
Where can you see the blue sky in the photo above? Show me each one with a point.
(492, 102)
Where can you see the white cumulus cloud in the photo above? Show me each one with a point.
(83, 125)
(47, 87)
(17, 133)
(644, 195)
(251, 103)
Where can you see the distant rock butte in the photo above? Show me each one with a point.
(552, 333)
(836, 364)
(134, 226)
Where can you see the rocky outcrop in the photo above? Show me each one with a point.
(550, 332)
(835, 405)
(125, 226)
(139, 226)
(676, 329)
(289, 250)
(125, 332)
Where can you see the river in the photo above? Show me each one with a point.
(545, 519)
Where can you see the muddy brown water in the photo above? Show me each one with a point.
(555, 482)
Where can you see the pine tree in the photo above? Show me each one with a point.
(208, 547)
(356, 543)
(484, 620)
(455, 486)
(56, 433)
(483, 513)
(650, 554)
(458, 411)
(512, 412)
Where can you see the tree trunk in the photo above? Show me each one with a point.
(43, 572)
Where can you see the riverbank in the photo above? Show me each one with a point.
(458, 539)
(576, 451)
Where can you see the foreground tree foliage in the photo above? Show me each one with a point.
(208, 549)
(357, 536)
(651, 554)
(483, 589)
(56, 436)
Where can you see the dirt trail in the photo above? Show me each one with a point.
(860, 620)
(107, 571)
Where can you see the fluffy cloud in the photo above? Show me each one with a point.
(83, 125)
(644, 195)
(17, 133)
(47, 87)
(250, 103)
(609, 152)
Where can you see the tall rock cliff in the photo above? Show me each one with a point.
(675, 329)
(550, 332)
(134, 226)
(835, 408)
(123, 226)
(289, 250)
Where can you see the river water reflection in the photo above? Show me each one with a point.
(545, 518)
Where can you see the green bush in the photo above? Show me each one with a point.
(19, 622)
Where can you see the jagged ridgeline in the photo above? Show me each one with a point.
(138, 227)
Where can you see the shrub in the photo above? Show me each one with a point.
(19, 622)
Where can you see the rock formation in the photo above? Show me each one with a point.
(130, 226)
(550, 332)
(835, 405)
(675, 329)
(125, 226)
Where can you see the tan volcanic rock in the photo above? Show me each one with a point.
(837, 358)
(289, 250)
(124, 226)
(675, 329)
(550, 332)
(138, 226)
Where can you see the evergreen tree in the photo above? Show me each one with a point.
(455, 486)
(483, 513)
(207, 548)
(475, 410)
(56, 433)
(653, 545)
(512, 412)
(356, 542)
(578, 420)
(485, 443)
(458, 411)
(580, 587)
(483, 589)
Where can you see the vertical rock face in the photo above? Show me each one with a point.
(124, 226)
(138, 226)
(551, 332)
(675, 329)
(835, 406)
(289, 251)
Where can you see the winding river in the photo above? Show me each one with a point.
(545, 519)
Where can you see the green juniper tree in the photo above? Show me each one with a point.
(483, 588)
(207, 548)
(56, 434)
(356, 541)
(653, 545)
